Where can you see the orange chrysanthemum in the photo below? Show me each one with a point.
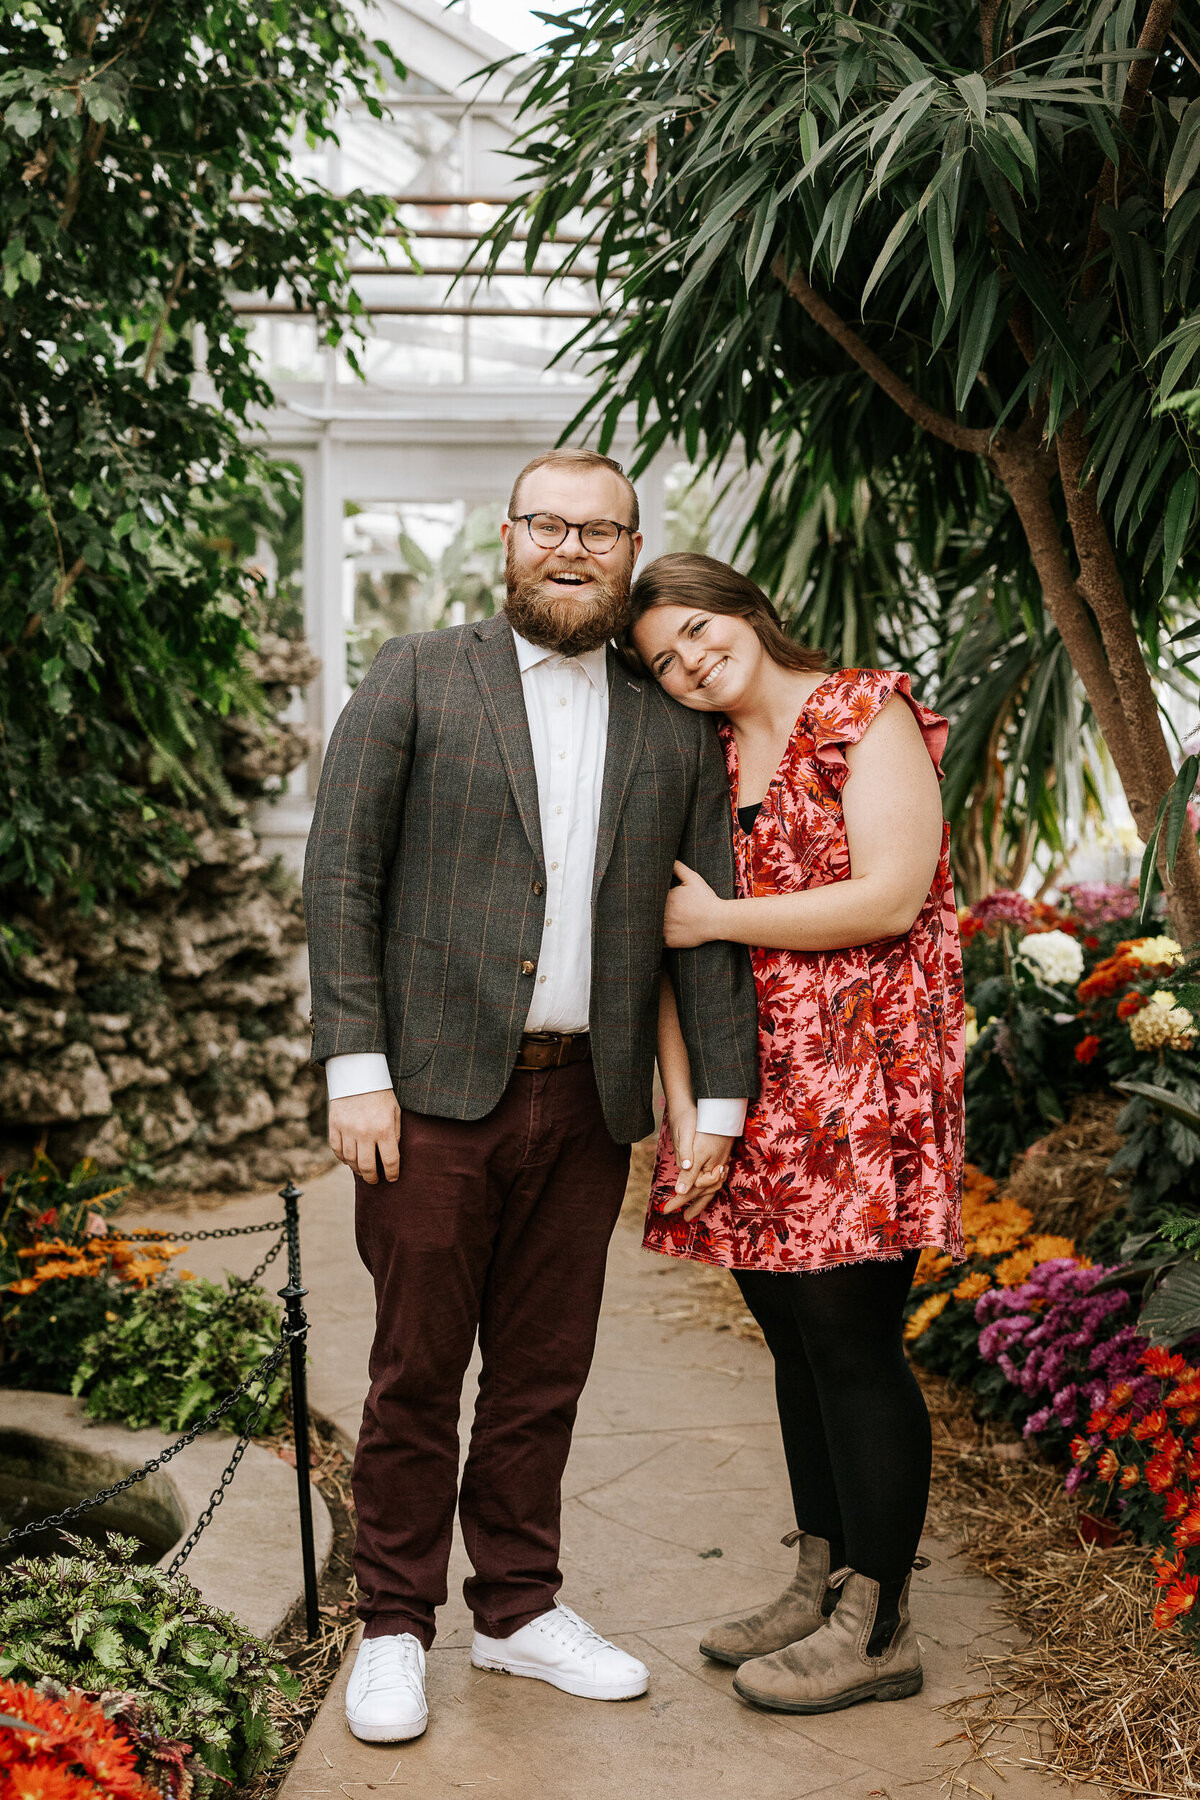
(971, 1286)
(1178, 1599)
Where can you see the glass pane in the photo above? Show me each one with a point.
(417, 566)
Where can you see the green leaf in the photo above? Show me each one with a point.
(1181, 510)
(974, 91)
(1185, 156)
(939, 232)
(23, 117)
(1183, 787)
(975, 336)
(1172, 1313)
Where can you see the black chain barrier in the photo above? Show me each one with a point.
(293, 1337)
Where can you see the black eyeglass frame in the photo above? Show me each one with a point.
(570, 525)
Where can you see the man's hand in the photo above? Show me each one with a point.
(363, 1124)
(704, 1179)
(692, 911)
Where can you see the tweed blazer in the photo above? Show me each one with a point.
(424, 883)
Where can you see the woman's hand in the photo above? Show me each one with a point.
(705, 1176)
(693, 911)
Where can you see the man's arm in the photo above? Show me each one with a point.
(350, 849)
(714, 982)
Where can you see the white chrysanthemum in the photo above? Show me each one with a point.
(1161, 951)
(1055, 955)
(1163, 1025)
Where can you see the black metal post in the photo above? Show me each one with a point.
(292, 1295)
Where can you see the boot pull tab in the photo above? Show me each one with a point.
(920, 1562)
(791, 1540)
(839, 1576)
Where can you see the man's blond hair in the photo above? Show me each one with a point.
(569, 458)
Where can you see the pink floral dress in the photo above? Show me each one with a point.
(854, 1149)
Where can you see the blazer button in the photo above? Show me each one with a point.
(538, 888)
(527, 968)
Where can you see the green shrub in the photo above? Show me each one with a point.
(179, 1349)
(100, 1622)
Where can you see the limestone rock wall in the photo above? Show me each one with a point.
(169, 1037)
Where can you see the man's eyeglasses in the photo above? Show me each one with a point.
(548, 531)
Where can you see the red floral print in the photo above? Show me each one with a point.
(853, 1151)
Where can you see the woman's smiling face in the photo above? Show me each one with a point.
(704, 660)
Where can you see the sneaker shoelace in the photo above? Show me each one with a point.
(390, 1661)
(574, 1633)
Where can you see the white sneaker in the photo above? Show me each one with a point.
(385, 1701)
(560, 1648)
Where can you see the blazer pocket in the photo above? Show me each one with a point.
(416, 981)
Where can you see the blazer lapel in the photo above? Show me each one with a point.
(626, 698)
(494, 665)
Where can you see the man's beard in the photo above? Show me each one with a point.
(561, 621)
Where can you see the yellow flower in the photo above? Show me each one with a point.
(971, 1286)
(924, 1316)
(972, 1034)
(27, 1285)
(1045, 1247)
(932, 1264)
(1155, 951)
(1016, 1269)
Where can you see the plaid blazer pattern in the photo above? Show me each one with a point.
(424, 883)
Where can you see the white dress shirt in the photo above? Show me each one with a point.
(566, 702)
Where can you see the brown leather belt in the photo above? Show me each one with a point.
(553, 1049)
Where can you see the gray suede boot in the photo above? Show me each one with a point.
(830, 1668)
(800, 1610)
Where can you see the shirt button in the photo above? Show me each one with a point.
(557, 809)
(549, 922)
(554, 865)
(527, 968)
(562, 699)
(561, 754)
(541, 979)
(538, 888)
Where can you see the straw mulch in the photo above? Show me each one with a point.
(1063, 1178)
(1120, 1696)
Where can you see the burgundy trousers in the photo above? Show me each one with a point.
(497, 1226)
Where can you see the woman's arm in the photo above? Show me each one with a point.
(893, 815)
(699, 1155)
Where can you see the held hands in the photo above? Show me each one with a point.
(693, 911)
(362, 1125)
(703, 1162)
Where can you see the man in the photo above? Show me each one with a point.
(499, 812)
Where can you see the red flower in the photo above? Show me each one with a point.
(1150, 1426)
(1187, 1393)
(1108, 1464)
(1161, 1471)
(1132, 1003)
(1099, 1419)
(1187, 1532)
(1120, 1395)
(1085, 1050)
(1129, 1475)
(1080, 1449)
(1120, 1425)
(1158, 1360)
(1179, 1598)
(1091, 943)
(1176, 1504)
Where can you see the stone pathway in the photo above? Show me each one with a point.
(674, 1503)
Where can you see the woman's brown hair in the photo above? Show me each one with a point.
(685, 578)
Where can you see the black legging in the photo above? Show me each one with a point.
(855, 1428)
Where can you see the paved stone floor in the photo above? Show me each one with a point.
(674, 1503)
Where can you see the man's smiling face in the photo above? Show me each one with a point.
(569, 598)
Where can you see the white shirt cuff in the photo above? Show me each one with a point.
(719, 1118)
(361, 1072)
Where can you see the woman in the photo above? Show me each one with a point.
(851, 1158)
